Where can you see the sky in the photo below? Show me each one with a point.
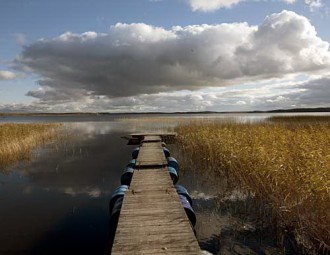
(163, 55)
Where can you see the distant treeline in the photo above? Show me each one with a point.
(319, 109)
(302, 110)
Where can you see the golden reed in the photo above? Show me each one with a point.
(284, 161)
(17, 141)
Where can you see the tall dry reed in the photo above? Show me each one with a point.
(284, 163)
(17, 141)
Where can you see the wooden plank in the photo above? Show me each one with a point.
(152, 219)
(151, 154)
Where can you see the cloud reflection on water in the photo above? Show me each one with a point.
(63, 194)
(58, 202)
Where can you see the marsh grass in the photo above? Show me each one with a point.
(285, 163)
(17, 141)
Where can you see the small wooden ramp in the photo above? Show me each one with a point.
(136, 139)
(152, 219)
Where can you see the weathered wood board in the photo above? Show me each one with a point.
(152, 219)
(151, 154)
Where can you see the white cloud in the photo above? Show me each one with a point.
(314, 4)
(135, 59)
(285, 41)
(7, 75)
(212, 5)
(289, 1)
(138, 67)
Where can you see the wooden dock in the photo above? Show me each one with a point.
(152, 219)
(151, 154)
(136, 139)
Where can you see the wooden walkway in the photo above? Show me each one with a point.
(151, 154)
(152, 219)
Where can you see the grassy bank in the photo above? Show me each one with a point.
(17, 141)
(285, 163)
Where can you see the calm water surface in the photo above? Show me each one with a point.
(58, 202)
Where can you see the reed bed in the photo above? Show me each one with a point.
(17, 141)
(284, 163)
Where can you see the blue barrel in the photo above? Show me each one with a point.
(118, 193)
(188, 209)
(115, 212)
(135, 152)
(166, 152)
(131, 163)
(174, 174)
(173, 163)
(182, 191)
(126, 177)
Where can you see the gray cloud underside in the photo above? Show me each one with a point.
(312, 93)
(135, 59)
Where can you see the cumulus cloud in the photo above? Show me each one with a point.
(211, 5)
(7, 75)
(139, 59)
(284, 43)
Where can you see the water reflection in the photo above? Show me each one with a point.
(58, 203)
(226, 216)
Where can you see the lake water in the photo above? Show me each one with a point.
(57, 203)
